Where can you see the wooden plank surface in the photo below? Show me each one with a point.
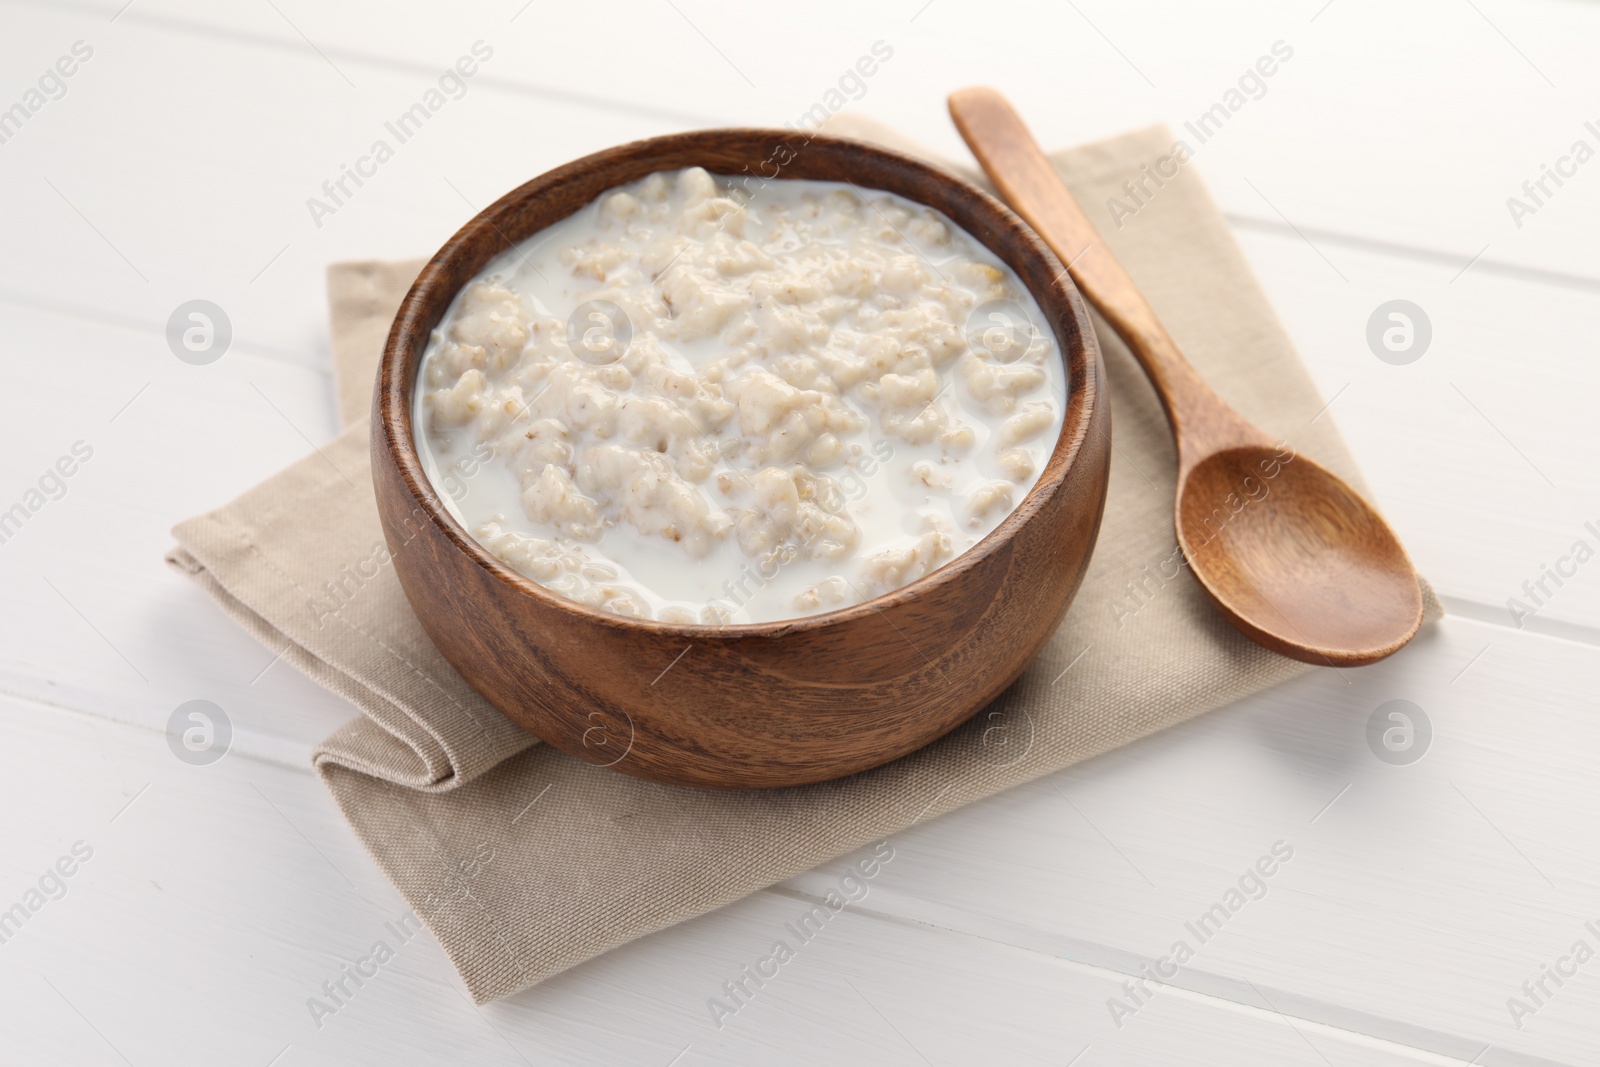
(216, 901)
(1375, 167)
(1418, 898)
(1403, 125)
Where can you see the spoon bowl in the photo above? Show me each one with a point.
(1298, 560)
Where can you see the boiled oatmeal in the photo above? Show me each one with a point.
(694, 404)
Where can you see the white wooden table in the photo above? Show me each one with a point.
(175, 163)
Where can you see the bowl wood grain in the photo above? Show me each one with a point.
(767, 704)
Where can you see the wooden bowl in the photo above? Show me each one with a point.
(764, 704)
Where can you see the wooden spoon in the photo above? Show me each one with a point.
(1289, 553)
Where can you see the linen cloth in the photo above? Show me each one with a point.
(524, 861)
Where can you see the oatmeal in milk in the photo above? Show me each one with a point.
(690, 404)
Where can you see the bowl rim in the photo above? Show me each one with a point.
(409, 334)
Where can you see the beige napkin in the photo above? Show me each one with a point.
(524, 861)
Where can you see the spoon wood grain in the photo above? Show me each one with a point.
(1291, 554)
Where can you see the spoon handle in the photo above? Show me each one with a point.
(1201, 420)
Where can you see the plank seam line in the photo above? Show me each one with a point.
(1112, 973)
(1451, 260)
(1556, 629)
(135, 324)
(371, 59)
(58, 708)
